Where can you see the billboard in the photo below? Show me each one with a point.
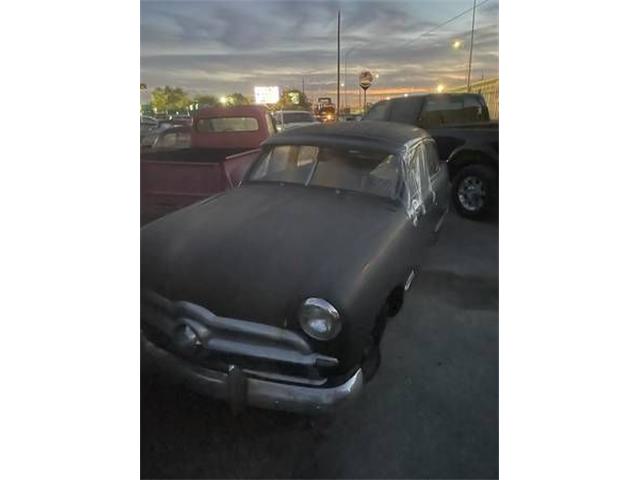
(266, 95)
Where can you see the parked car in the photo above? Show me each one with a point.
(222, 144)
(169, 139)
(150, 137)
(147, 125)
(286, 119)
(276, 294)
(467, 140)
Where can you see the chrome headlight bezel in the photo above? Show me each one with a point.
(319, 319)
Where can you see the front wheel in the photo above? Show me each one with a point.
(475, 190)
(372, 356)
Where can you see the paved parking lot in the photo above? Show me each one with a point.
(432, 410)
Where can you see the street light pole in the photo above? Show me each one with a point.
(346, 76)
(473, 27)
(338, 82)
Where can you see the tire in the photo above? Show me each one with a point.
(372, 356)
(395, 301)
(475, 191)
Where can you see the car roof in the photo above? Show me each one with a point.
(388, 136)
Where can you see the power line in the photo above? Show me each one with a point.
(424, 34)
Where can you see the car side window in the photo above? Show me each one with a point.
(433, 161)
(423, 170)
(416, 181)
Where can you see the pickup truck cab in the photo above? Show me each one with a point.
(223, 143)
(466, 138)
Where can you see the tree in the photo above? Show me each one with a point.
(206, 101)
(169, 99)
(292, 99)
(236, 99)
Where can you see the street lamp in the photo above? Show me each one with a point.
(346, 77)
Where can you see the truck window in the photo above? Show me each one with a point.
(441, 110)
(405, 109)
(475, 109)
(227, 124)
(378, 111)
(452, 109)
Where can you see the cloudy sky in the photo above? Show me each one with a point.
(219, 47)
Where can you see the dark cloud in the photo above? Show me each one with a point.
(223, 46)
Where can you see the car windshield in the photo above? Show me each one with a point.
(298, 117)
(366, 171)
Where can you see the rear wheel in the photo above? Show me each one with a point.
(475, 190)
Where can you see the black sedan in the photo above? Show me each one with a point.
(276, 294)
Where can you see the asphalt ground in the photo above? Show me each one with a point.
(431, 411)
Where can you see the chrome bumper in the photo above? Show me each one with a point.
(238, 388)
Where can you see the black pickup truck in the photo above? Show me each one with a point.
(466, 138)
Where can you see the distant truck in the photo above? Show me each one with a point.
(466, 138)
(223, 144)
(325, 110)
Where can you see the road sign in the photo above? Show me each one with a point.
(266, 95)
(366, 79)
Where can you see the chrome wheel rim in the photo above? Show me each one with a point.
(472, 193)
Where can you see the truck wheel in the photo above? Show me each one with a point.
(372, 356)
(475, 190)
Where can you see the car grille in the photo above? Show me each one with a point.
(199, 336)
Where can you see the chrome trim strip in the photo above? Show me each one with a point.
(407, 284)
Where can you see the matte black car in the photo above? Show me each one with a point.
(276, 294)
(466, 138)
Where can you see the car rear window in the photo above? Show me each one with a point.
(227, 124)
(298, 117)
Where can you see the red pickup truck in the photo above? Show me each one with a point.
(224, 143)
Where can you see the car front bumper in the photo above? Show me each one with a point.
(239, 388)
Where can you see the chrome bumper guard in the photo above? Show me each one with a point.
(239, 389)
(256, 364)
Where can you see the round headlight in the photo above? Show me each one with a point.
(319, 319)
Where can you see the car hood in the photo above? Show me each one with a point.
(257, 252)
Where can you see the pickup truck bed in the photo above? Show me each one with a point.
(168, 185)
(224, 143)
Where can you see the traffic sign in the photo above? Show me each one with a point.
(366, 79)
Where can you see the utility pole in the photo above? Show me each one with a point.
(303, 84)
(338, 83)
(473, 27)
